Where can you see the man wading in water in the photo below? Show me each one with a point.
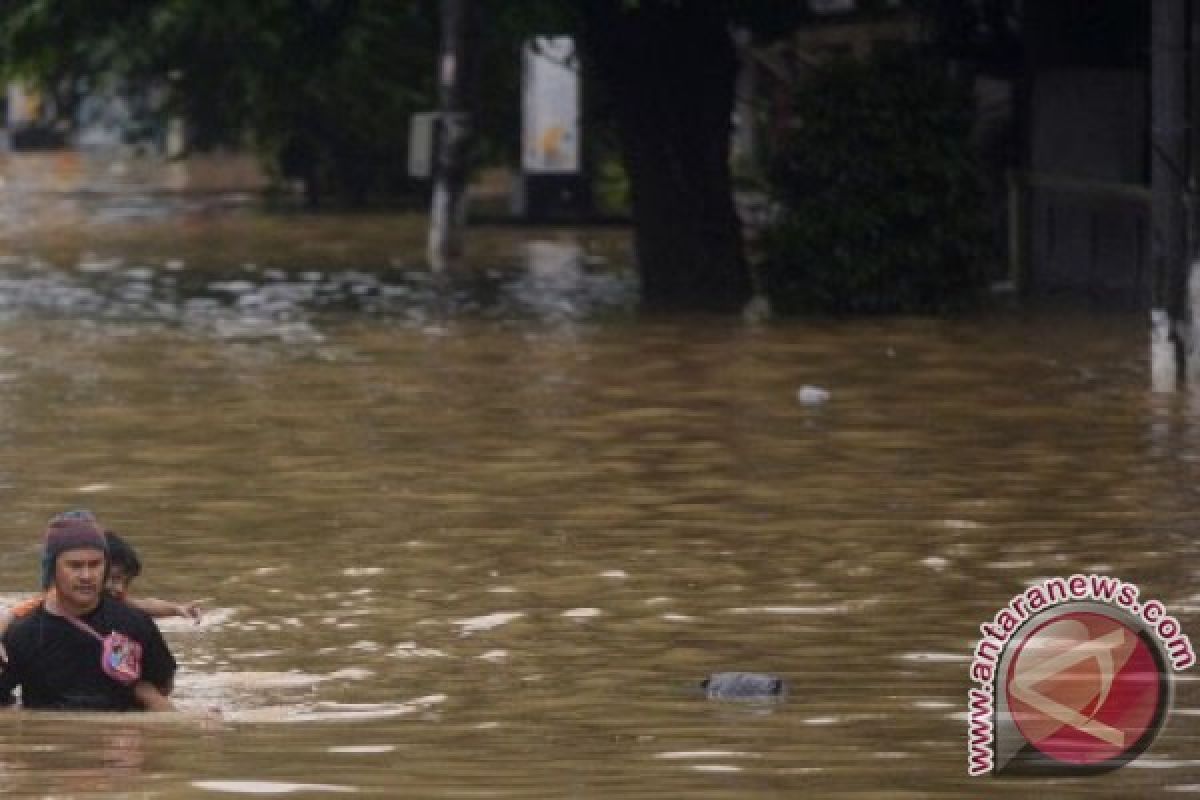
(82, 650)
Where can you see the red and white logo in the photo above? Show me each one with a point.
(1073, 676)
(1085, 688)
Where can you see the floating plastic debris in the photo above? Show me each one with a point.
(744, 686)
(813, 395)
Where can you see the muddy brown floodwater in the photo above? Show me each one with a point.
(483, 537)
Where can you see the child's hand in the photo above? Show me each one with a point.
(189, 611)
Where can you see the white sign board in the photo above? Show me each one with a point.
(420, 144)
(550, 106)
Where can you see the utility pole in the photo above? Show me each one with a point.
(456, 68)
(1170, 317)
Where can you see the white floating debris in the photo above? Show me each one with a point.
(270, 787)
(1164, 763)
(933, 705)
(678, 618)
(354, 749)
(494, 655)
(614, 573)
(92, 488)
(812, 395)
(358, 572)
(942, 658)
(582, 613)
(935, 562)
(791, 610)
(960, 524)
(701, 754)
(253, 680)
(487, 621)
(821, 721)
(413, 650)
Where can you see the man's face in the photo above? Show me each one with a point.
(118, 581)
(78, 577)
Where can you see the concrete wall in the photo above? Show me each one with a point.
(70, 171)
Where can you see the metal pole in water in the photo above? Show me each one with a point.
(1168, 162)
(448, 208)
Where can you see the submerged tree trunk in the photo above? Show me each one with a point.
(448, 210)
(669, 70)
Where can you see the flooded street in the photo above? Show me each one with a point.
(483, 538)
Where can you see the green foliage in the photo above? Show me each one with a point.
(331, 100)
(880, 191)
(322, 88)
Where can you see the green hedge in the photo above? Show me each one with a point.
(880, 192)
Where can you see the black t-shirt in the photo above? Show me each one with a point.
(57, 665)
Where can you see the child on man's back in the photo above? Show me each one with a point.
(124, 567)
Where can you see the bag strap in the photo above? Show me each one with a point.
(83, 626)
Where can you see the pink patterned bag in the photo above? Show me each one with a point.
(120, 658)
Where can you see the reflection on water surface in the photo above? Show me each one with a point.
(485, 538)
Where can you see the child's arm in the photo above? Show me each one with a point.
(151, 698)
(162, 608)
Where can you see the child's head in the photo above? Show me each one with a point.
(123, 565)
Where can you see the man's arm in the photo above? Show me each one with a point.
(150, 698)
(158, 665)
(10, 678)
